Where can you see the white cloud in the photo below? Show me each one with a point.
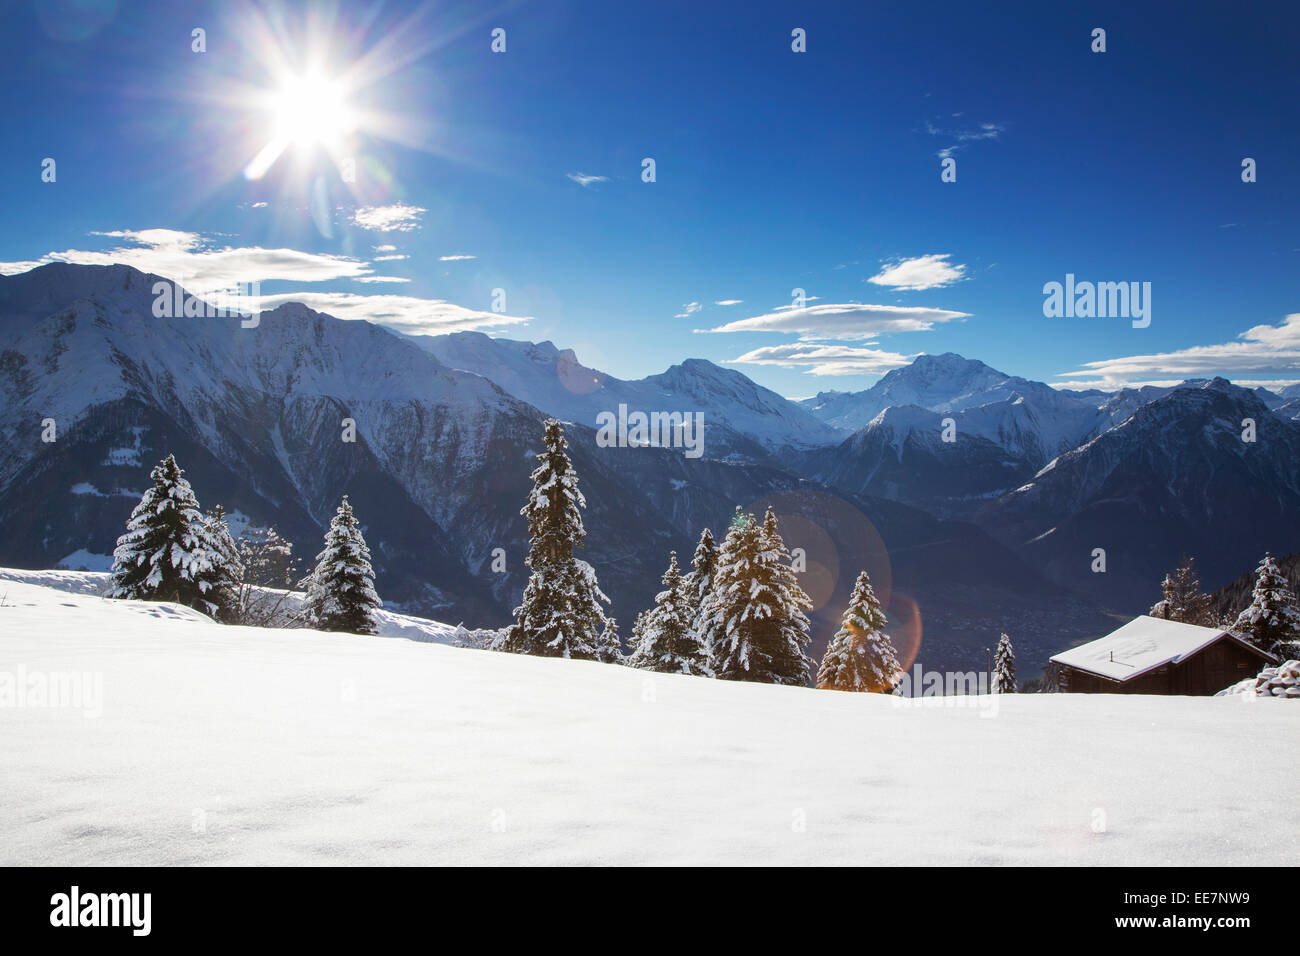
(1262, 352)
(583, 179)
(965, 135)
(391, 258)
(825, 359)
(386, 247)
(923, 272)
(191, 260)
(402, 312)
(843, 321)
(690, 308)
(398, 217)
(456, 258)
(188, 259)
(729, 302)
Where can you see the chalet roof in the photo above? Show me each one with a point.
(1141, 645)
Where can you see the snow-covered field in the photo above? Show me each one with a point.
(225, 745)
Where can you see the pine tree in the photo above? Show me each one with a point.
(1004, 667)
(666, 639)
(1183, 598)
(755, 620)
(341, 590)
(699, 582)
(560, 614)
(226, 575)
(1272, 621)
(609, 649)
(861, 657)
(166, 553)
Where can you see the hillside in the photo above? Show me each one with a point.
(226, 745)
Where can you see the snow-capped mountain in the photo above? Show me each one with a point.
(941, 383)
(740, 417)
(1030, 421)
(438, 469)
(1178, 476)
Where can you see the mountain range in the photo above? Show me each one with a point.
(964, 538)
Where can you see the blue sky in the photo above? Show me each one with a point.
(775, 170)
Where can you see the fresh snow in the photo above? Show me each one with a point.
(230, 745)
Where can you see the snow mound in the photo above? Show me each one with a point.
(229, 745)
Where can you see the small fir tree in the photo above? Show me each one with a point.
(699, 582)
(1272, 621)
(560, 614)
(341, 590)
(166, 553)
(755, 621)
(226, 575)
(1183, 598)
(666, 640)
(1004, 667)
(861, 657)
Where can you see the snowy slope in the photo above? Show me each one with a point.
(95, 584)
(222, 745)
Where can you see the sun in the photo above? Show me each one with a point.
(307, 111)
(310, 110)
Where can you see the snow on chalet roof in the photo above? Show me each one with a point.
(1142, 644)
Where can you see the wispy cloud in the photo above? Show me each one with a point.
(200, 265)
(380, 279)
(456, 258)
(961, 136)
(923, 272)
(585, 179)
(398, 217)
(843, 321)
(729, 302)
(690, 308)
(405, 313)
(1264, 352)
(825, 359)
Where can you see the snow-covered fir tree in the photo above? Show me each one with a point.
(1183, 598)
(699, 582)
(166, 553)
(609, 649)
(666, 639)
(226, 575)
(1272, 621)
(1004, 667)
(560, 614)
(861, 657)
(341, 589)
(755, 621)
